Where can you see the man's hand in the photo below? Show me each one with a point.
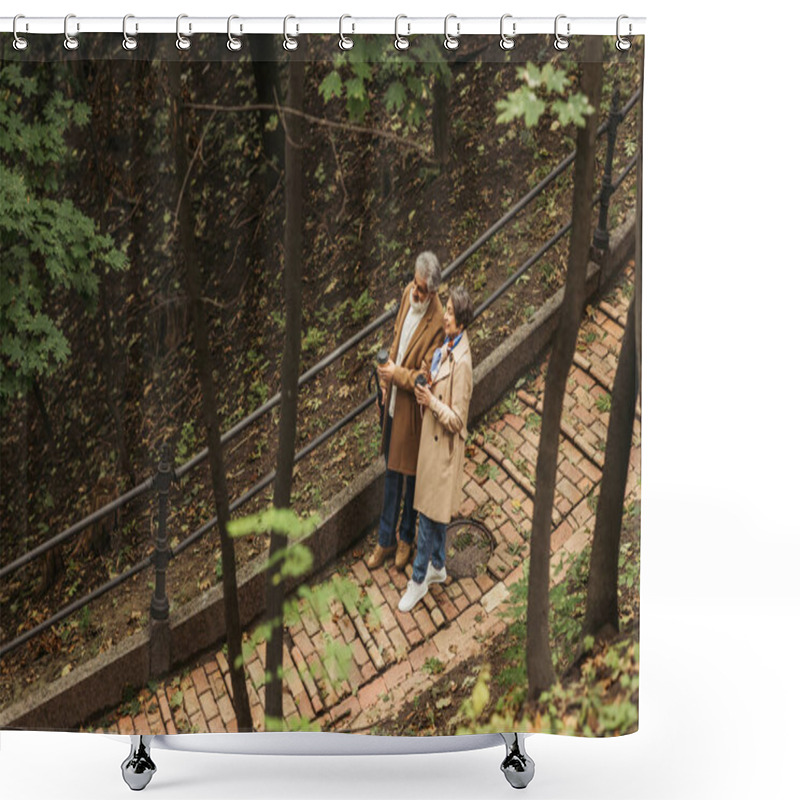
(386, 372)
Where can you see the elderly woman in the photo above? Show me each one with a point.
(444, 403)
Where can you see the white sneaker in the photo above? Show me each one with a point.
(414, 593)
(434, 575)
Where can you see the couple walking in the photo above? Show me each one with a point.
(426, 387)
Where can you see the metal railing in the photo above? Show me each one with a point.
(166, 475)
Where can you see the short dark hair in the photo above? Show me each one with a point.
(462, 305)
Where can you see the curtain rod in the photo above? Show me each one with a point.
(453, 25)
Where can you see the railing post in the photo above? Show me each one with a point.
(601, 237)
(159, 605)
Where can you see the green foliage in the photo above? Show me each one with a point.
(603, 402)
(315, 599)
(277, 520)
(433, 666)
(602, 701)
(568, 606)
(487, 469)
(533, 422)
(587, 707)
(543, 87)
(187, 442)
(331, 86)
(49, 247)
(373, 71)
(313, 339)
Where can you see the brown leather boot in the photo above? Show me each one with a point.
(403, 555)
(378, 556)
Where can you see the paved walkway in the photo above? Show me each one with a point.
(394, 655)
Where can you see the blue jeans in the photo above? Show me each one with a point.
(392, 495)
(430, 547)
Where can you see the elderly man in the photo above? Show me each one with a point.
(418, 331)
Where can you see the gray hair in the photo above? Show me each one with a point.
(462, 305)
(427, 267)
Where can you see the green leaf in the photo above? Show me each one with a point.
(276, 520)
(355, 88)
(574, 109)
(298, 561)
(331, 86)
(395, 96)
(554, 79)
(521, 103)
(362, 70)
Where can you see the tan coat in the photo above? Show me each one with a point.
(440, 468)
(407, 422)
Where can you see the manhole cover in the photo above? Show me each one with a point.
(469, 546)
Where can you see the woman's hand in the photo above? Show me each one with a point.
(386, 372)
(423, 394)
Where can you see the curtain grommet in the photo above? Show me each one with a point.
(182, 42)
(622, 42)
(561, 42)
(289, 42)
(401, 42)
(70, 41)
(234, 42)
(507, 42)
(345, 42)
(451, 42)
(128, 42)
(20, 43)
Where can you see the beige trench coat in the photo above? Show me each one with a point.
(440, 468)
(407, 422)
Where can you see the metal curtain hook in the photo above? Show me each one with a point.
(507, 42)
(234, 42)
(451, 42)
(128, 42)
(400, 42)
(561, 42)
(622, 42)
(19, 43)
(70, 42)
(182, 42)
(289, 42)
(345, 42)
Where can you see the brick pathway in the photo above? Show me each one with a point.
(455, 621)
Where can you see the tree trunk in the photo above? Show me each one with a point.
(441, 121)
(40, 404)
(191, 259)
(110, 364)
(639, 178)
(602, 611)
(266, 71)
(538, 657)
(290, 371)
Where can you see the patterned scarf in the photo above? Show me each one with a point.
(445, 350)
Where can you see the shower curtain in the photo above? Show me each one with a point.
(209, 252)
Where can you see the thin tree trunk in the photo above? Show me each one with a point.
(639, 184)
(40, 404)
(290, 371)
(266, 71)
(602, 610)
(110, 364)
(191, 259)
(441, 121)
(538, 656)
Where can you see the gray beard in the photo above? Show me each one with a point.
(420, 308)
